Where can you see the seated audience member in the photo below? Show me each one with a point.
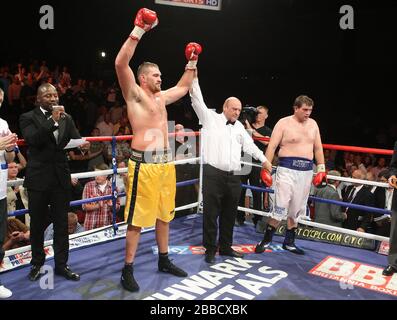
(73, 227)
(326, 213)
(17, 196)
(97, 148)
(383, 200)
(17, 236)
(359, 220)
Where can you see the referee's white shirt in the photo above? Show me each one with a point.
(221, 143)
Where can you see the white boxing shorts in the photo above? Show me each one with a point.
(292, 188)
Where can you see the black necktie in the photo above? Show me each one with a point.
(229, 122)
(47, 114)
(351, 194)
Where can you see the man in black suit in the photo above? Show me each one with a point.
(47, 130)
(392, 258)
(358, 220)
(383, 200)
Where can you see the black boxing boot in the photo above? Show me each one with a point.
(267, 239)
(289, 242)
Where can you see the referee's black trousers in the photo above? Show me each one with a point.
(221, 193)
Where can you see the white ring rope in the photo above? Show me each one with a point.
(97, 173)
(322, 226)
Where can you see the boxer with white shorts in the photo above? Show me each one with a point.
(298, 137)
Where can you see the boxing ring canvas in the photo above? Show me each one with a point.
(325, 272)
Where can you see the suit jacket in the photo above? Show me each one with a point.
(359, 218)
(47, 160)
(393, 172)
(380, 198)
(326, 213)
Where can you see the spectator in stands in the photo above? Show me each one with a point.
(111, 95)
(21, 74)
(14, 95)
(329, 159)
(106, 126)
(28, 93)
(359, 163)
(78, 87)
(368, 162)
(17, 196)
(383, 200)
(99, 213)
(370, 177)
(357, 219)
(123, 125)
(116, 112)
(79, 157)
(96, 147)
(17, 236)
(380, 165)
(326, 213)
(65, 76)
(63, 87)
(123, 150)
(73, 227)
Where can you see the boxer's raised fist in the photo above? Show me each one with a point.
(145, 20)
(192, 53)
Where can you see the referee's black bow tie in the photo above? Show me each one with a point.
(232, 123)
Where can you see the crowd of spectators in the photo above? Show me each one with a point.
(362, 167)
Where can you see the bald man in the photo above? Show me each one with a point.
(47, 129)
(223, 139)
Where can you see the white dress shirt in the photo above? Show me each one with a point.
(55, 132)
(222, 143)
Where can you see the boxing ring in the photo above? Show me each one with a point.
(339, 265)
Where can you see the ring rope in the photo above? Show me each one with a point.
(316, 199)
(322, 226)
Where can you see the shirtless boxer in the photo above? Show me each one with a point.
(151, 178)
(298, 137)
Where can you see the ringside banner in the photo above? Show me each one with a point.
(317, 234)
(197, 4)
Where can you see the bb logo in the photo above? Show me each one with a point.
(354, 274)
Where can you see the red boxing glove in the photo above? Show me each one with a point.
(320, 179)
(192, 53)
(266, 178)
(145, 20)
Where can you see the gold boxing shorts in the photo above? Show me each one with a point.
(151, 188)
